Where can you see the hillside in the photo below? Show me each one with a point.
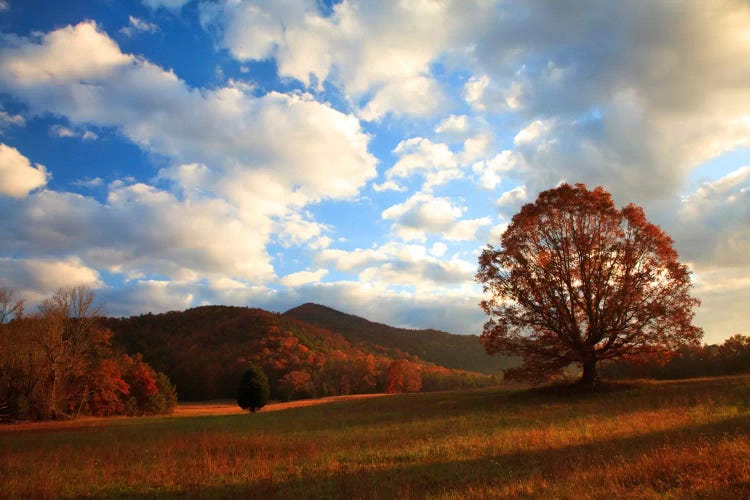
(462, 352)
(204, 351)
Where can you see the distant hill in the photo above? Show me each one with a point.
(462, 352)
(204, 351)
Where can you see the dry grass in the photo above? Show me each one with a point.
(687, 439)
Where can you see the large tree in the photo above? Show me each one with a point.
(576, 280)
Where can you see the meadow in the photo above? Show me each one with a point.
(680, 439)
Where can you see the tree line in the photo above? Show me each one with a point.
(58, 363)
(729, 358)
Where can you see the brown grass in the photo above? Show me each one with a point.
(688, 439)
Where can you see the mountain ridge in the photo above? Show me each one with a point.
(462, 352)
(204, 350)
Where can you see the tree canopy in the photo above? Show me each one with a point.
(576, 280)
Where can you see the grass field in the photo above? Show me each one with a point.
(687, 439)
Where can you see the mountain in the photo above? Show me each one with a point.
(205, 350)
(462, 352)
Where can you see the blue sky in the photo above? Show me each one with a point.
(173, 153)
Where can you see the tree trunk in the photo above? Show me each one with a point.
(590, 378)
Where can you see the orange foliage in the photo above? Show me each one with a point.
(403, 376)
(108, 389)
(578, 281)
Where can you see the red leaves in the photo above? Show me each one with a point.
(577, 278)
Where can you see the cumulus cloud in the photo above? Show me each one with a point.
(55, 57)
(36, 279)
(513, 198)
(454, 126)
(227, 186)
(303, 277)
(490, 172)
(628, 95)
(160, 113)
(380, 52)
(712, 226)
(434, 161)
(141, 229)
(424, 214)
(17, 176)
(400, 264)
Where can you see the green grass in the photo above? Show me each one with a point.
(688, 439)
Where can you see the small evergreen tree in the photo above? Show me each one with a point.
(253, 392)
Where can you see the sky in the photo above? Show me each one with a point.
(175, 153)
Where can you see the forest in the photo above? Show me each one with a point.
(68, 359)
(205, 350)
(59, 363)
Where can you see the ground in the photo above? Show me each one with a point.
(686, 439)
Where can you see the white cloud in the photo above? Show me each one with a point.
(35, 279)
(227, 185)
(296, 229)
(65, 132)
(424, 214)
(417, 96)
(89, 182)
(137, 25)
(4, 5)
(628, 95)
(474, 91)
(379, 51)
(56, 58)
(454, 126)
(8, 120)
(514, 197)
(435, 161)
(478, 146)
(490, 172)
(438, 249)
(401, 265)
(303, 278)
(141, 230)
(17, 176)
(389, 185)
(712, 225)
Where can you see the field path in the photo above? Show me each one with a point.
(229, 407)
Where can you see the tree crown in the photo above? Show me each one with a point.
(577, 280)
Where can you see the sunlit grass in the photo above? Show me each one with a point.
(647, 440)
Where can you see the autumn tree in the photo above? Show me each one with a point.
(296, 383)
(9, 308)
(403, 376)
(58, 363)
(253, 392)
(576, 280)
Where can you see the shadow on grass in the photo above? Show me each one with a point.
(552, 465)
